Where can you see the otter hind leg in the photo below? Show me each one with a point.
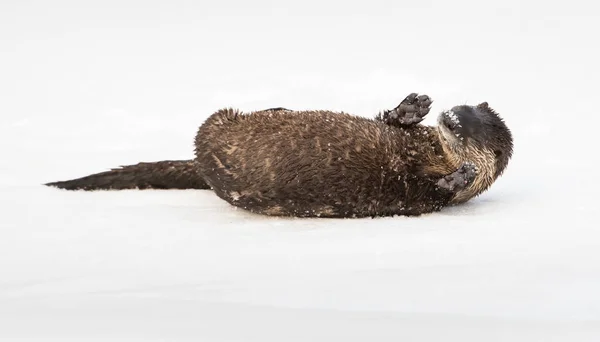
(168, 174)
(410, 111)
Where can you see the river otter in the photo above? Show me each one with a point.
(282, 162)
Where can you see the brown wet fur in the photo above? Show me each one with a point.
(167, 174)
(281, 162)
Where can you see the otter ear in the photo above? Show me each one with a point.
(483, 105)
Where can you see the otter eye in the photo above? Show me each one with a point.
(498, 153)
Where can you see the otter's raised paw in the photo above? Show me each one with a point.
(411, 110)
(459, 179)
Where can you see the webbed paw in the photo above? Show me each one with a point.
(411, 110)
(459, 179)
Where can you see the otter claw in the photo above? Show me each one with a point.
(459, 179)
(411, 110)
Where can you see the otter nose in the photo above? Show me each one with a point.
(468, 122)
(450, 120)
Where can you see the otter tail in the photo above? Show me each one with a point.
(168, 174)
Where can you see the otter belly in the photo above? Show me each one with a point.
(296, 166)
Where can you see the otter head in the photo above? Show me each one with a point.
(476, 134)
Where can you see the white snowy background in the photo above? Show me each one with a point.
(89, 85)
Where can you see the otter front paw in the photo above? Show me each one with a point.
(410, 111)
(459, 179)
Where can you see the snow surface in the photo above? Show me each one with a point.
(86, 86)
